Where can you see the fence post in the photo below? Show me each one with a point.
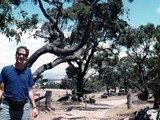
(129, 99)
(48, 99)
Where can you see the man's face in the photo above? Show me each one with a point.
(21, 56)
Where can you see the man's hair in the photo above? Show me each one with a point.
(23, 47)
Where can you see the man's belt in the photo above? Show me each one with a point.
(15, 101)
(15, 104)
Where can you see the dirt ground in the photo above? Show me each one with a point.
(111, 108)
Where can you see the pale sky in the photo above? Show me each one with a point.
(141, 12)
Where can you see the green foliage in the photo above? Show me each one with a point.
(7, 19)
(69, 84)
(94, 85)
(5, 15)
(71, 73)
(90, 85)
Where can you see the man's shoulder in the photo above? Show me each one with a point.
(8, 66)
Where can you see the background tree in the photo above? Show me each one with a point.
(125, 69)
(104, 63)
(156, 66)
(142, 46)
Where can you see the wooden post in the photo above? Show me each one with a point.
(48, 99)
(129, 99)
(85, 101)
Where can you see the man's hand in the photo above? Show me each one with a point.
(35, 112)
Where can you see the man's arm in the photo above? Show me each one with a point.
(31, 97)
(34, 107)
(1, 91)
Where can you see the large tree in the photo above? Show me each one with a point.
(106, 27)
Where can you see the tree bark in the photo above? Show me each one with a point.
(157, 92)
(80, 85)
(156, 97)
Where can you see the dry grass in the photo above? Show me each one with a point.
(111, 108)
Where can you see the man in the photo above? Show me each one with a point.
(16, 88)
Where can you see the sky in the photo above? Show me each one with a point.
(141, 13)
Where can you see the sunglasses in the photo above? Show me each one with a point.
(24, 55)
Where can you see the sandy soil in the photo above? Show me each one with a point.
(111, 108)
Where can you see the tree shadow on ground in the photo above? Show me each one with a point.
(85, 108)
(90, 108)
(73, 118)
(75, 106)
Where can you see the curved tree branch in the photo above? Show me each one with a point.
(57, 61)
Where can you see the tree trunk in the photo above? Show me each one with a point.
(156, 101)
(107, 88)
(157, 92)
(80, 85)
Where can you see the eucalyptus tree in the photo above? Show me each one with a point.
(146, 59)
(125, 69)
(139, 43)
(156, 66)
(104, 30)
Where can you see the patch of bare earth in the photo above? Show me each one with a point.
(111, 108)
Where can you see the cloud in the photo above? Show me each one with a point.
(158, 10)
(8, 55)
